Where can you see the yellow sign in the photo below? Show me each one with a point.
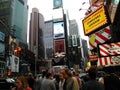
(95, 20)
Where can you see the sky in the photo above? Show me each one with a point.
(45, 7)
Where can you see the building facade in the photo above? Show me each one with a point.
(36, 34)
(48, 39)
(13, 23)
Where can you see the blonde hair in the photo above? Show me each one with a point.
(23, 81)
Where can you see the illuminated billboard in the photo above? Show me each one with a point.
(59, 45)
(59, 30)
(96, 21)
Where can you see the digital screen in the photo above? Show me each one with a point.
(58, 30)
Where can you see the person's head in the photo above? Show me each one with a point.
(21, 82)
(49, 76)
(111, 82)
(67, 73)
(61, 76)
(44, 74)
(30, 75)
(92, 72)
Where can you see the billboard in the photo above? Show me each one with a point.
(109, 49)
(96, 20)
(58, 30)
(57, 4)
(59, 45)
(13, 63)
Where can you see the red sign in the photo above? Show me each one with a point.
(59, 45)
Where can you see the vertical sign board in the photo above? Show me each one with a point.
(74, 40)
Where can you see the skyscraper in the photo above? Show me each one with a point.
(36, 33)
(13, 21)
(19, 17)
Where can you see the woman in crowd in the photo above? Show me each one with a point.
(21, 84)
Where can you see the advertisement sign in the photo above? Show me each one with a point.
(57, 4)
(96, 21)
(2, 36)
(99, 37)
(2, 50)
(109, 61)
(59, 30)
(13, 63)
(59, 45)
(109, 49)
(57, 15)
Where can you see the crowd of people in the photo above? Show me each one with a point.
(67, 80)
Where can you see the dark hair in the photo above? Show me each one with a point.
(44, 74)
(92, 72)
(48, 75)
(111, 82)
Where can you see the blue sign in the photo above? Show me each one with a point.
(57, 4)
(2, 36)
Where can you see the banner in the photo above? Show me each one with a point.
(13, 63)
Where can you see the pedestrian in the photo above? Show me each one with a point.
(75, 74)
(31, 80)
(92, 84)
(21, 84)
(56, 80)
(111, 82)
(71, 82)
(39, 80)
(48, 83)
(62, 81)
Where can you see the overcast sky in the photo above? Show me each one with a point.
(45, 7)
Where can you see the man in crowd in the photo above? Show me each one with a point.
(92, 84)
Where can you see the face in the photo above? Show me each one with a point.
(61, 76)
(65, 75)
(18, 83)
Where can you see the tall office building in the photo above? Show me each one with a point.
(36, 33)
(19, 19)
(73, 27)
